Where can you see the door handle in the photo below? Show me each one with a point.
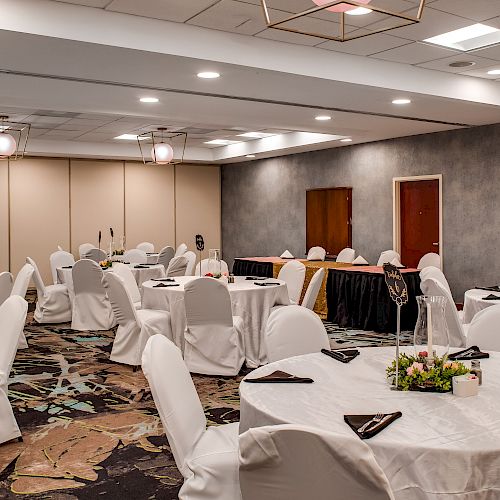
(436, 244)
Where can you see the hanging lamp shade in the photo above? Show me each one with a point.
(8, 145)
(13, 138)
(162, 147)
(162, 153)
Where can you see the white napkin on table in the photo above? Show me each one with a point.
(360, 260)
(286, 255)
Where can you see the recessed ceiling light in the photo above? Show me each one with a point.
(468, 38)
(255, 135)
(208, 75)
(360, 11)
(221, 142)
(494, 72)
(130, 137)
(346, 140)
(149, 99)
(323, 118)
(249, 156)
(461, 64)
(401, 101)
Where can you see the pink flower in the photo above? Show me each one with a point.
(415, 367)
(423, 354)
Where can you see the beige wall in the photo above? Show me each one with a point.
(66, 201)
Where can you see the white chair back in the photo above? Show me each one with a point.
(292, 462)
(37, 277)
(292, 331)
(346, 255)
(165, 256)
(483, 329)
(177, 266)
(87, 278)
(181, 250)
(22, 280)
(294, 274)
(437, 274)
(145, 246)
(205, 268)
(95, 254)
(127, 276)
(387, 257)
(433, 287)
(175, 397)
(60, 259)
(191, 257)
(5, 286)
(84, 248)
(430, 259)
(121, 301)
(316, 253)
(60, 248)
(135, 256)
(313, 289)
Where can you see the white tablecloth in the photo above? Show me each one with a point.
(152, 258)
(473, 303)
(249, 301)
(442, 446)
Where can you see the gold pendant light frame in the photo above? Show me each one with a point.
(148, 140)
(20, 132)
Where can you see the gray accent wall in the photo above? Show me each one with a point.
(264, 201)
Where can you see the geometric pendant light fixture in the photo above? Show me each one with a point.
(161, 147)
(13, 138)
(340, 11)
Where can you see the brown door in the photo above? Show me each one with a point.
(419, 205)
(316, 218)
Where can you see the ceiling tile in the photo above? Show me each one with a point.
(415, 53)
(489, 52)
(366, 46)
(87, 3)
(444, 64)
(477, 10)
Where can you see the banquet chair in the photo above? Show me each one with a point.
(346, 255)
(191, 257)
(483, 329)
(20, 287)
(91, 307)
(59, 259)
(135, 327)
(313, 289)
(387, 257)
(213, 336)
(84, 248)
(293, 273)
(316, 253)
(60, 248)
(145, 246)
(5, 286)
(177, 266)
(165, 256)
(205, 268)
(430, 259)
(296, 462)
(127, 276)
(181, 250)
(95, 254)
(135, 256)
(457, 331)
(12, 318)
(52, 305)
(436, 273)
(206, 458)
(292, 331)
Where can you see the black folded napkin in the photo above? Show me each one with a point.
(151, 253)
(163, 285)
(141, 266)
(67, 267)
(169, 280)
(342, 355)
(494, 288)
(492, 297)
(470, 353)
(280, 377)
(255, 278)
(267, 283)
(355, 422)
(125, 262)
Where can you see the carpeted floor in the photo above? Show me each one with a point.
(90, 427)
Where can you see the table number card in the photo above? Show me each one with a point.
(396, 284)
(200, 243)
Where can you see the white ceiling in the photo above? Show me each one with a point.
(89, 66)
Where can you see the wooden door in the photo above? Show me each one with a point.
(419, 216)
(316, 222)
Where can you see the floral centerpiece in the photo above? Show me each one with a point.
(105, 264)
(120, 251)
(215, 275)
(417, 374)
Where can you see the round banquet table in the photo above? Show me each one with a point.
(251, 302)
(152, 257)
(473, 303)
(442, 446)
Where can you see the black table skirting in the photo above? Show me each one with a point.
(361, 300)
(243, 267)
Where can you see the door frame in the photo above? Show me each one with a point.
(396, 209)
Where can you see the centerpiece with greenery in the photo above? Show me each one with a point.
(105, 264)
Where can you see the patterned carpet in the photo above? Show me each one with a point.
(90, 427)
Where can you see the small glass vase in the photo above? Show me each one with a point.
(433, 340)
(214, 262)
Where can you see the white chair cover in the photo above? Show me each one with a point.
(5, 286)
(145, 246)
(127, 276)
(436, 273)
(213, 336)
(53, 305)
(91, 307)
(457, 331)
(483, 329)
(316, 253)
(12, 318)
(135, 256)
(387, 256)
(60, 248)
(177, 266)
(134, 327)
(181, 250)
(205, 268)
(292, 331)
(84, 248)
(20, 288)
(346, 255)
(292, 462)
(95, 254)
(208, 459)
(294, 274)
(430, 259)
(313, 289)
(191, 257)
(60, 259)
(165, 256)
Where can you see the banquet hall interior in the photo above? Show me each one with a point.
(248, 249)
